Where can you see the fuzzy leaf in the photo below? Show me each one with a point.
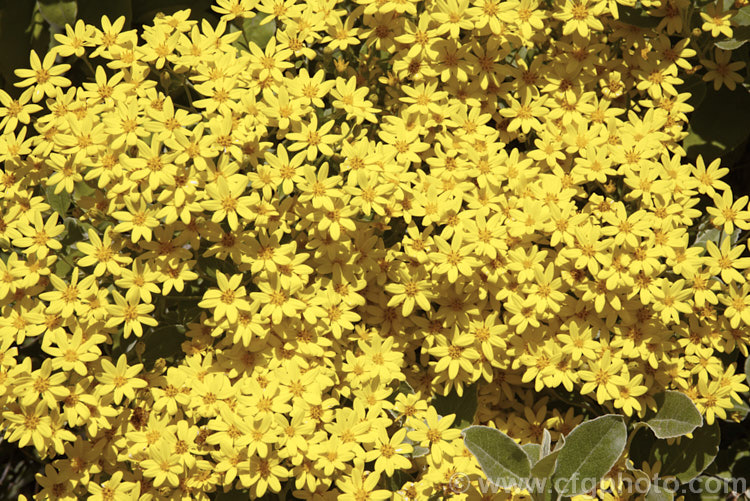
(91, 11)
(259, 34)
(534, 451)
(59, 12)
(676, 415)
(463, 406)
(60, 202)
(590, 451)
(503, 461)
(713, 131)
(659, 493)
(684, 458)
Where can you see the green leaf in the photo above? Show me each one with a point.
(232, 495)
(503, 461)
(39, 33)
(738, 411)
(419, 451)
(747, 370)
(395, 482)
(693, 455)
(534, 451)
(15, 17)
(741, 469)
(730, 454)
(659, 493)
(706, 488)
(82, 189)
(73, 231)
(684, 458)
(59, 12)
(545, 466)
(464, 406)
(731, 43)
(637, 17)
(676, 415)
(91, 11)
(546, 442)
(742, 18)
(60, 202)
(163, 342)
(694, 85)
(641, 480)
(144, 11)
(740, 36)
(560, 443)
(63, 265)
(590, 451)
(726, 5)
(254, 32)
(713, 130)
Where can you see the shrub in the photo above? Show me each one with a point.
(293, 251)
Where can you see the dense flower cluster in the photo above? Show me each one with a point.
(390, 200)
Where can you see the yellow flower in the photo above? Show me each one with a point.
(226, 202)
(12, 276)
(386, 201)
(228, 300)
(110, 36)
(38, 236)
(737, 304)
(604, 375)
(162, 465)
(269, 62)
(725, 260)
(75, 40)
(139, 220)
(455, 355)
(130, 311)
(716, 20)
(313, 138)
(578, 343)
(44, 75)
(113, 489)
(454, 258)
(72, 352)
(721, 71)
(29, 425)
(627, 398)
(524, 116)
(434, 432)
(333, 456)
(711, 402)
(104, 253)
(581, 16)
(15, 111)
(40, 385)
(710, 177)
(141, 279)
(56, 484)
(232, 9)
(265, 475)
(119, 380)
(389, 452)
(359, 485)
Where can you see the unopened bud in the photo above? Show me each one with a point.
(341, 64)
(166, 79)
